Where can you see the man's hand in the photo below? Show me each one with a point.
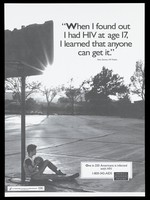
(36, 166)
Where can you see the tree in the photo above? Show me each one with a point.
(138, 80)
(30, 104)
(50, 94)
(14, 85)
(63, 100)
(73, 94)
(104, 84)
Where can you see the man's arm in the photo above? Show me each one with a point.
(31, 168)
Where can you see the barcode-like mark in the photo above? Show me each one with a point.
(120, 175)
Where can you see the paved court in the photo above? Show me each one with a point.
(68, 140)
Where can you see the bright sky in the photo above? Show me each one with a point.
(67, 64)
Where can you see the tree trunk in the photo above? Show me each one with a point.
(72, 107)
(47, 109)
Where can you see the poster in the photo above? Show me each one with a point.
(85, 113)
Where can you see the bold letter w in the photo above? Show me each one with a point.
(71, 25)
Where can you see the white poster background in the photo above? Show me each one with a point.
(67, 62)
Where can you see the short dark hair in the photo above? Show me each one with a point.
(31, 147)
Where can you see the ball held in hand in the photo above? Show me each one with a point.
(38, 161)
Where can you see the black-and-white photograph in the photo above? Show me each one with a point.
(74, 99)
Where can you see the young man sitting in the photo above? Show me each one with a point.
(35, 170)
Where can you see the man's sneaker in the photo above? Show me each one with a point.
(60, 173)
(74, 175)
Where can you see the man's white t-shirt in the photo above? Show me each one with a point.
(29, 162)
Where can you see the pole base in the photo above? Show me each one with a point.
(17, 180)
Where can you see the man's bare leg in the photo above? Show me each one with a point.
(51, 166)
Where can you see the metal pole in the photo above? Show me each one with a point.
(22, 127)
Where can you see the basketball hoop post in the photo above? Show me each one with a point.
(21, 61)
(22, 127)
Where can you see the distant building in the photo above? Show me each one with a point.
(139, 102)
